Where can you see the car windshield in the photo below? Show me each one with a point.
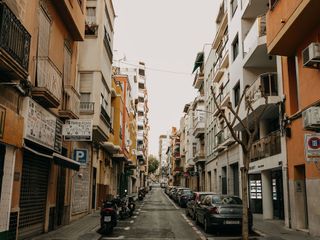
(226, 200)
(186, 191)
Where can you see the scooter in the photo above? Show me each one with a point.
(141, 194)
(108, 217)
(131, 205)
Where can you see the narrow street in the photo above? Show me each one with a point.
(156, 218)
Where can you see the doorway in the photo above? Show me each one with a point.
(94, 183)
(301, 197)
(277, 194)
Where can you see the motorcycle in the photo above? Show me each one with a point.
(124, 207)
(108, 217)
(141, 194)
(131, 205)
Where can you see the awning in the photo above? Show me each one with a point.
(110, 147)
(119, 156)
(199, 61)
(57, 158)
(65, 162)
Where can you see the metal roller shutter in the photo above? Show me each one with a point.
(33, 195)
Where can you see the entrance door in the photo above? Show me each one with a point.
(94, 186)
(61, 184)
(301, 197)
(277, 195)
(235, 175)
(33, 195)
(2, 154)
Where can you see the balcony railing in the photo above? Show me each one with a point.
(267, 83)
(106, 118)
(14, 38)
(257, 30)
(266, 147)
(71, 103)
(87, 107)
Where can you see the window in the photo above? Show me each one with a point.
(235, 47)
(44, 34)
(91, 25)
(272, 3)
(236, 92)
(91, 15)
(85, 97)
(234, 6)
(141, 72)
(67, 66)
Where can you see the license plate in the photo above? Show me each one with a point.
(107, 218)
(232, 222)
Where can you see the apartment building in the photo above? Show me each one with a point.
(39, 93)
(163, 146)
(293, 33)
(95, 71)
(238, 59)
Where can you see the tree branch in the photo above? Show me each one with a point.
(226, 120)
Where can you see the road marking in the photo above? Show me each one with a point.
(125, 228)
(134, 216)
(171, 201)
(120, 237)
(194, 228)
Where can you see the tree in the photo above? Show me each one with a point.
(153, 164)
(249, 130)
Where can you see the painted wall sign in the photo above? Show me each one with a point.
(2, 120)
(40, 125)
(312, 147)
(77, 130)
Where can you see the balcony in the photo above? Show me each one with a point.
(199, 156)
(72, 14)
(268, 83)
(140, 107)
(227, 137)
(222, 61)
(222, 20)
(86, 107)
(14, 45)
(266, 147)
(47, 90)
(287, 20)
(199, 124)
(198, 80)
(254, 8)
(70, 108)
(106, 118)
(254, 46)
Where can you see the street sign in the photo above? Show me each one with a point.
(81, 156)
(77, 130)
(312, 147)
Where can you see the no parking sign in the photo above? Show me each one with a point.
(312, 147)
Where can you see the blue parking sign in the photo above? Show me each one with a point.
(81, 156)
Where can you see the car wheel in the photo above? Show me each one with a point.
(187, 213)
(206, 226)
(197, 220)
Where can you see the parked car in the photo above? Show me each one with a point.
(176, 193)
(172, 191)
(216, 211)
(183, 196)
(194, 201)
(167, 190)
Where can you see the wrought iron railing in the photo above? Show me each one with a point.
(266, 147)
(14, 38)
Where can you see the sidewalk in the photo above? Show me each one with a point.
(276, 230)
(82, 229)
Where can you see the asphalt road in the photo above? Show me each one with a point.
(156, 218)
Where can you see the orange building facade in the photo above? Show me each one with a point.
(293, 30)
(38, 93)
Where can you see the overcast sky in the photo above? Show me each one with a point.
(166, 35)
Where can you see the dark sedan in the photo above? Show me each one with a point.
(183, 196)
(194, 202)
(217, 211)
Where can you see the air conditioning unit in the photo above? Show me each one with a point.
(311, 118)
(311, 55)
